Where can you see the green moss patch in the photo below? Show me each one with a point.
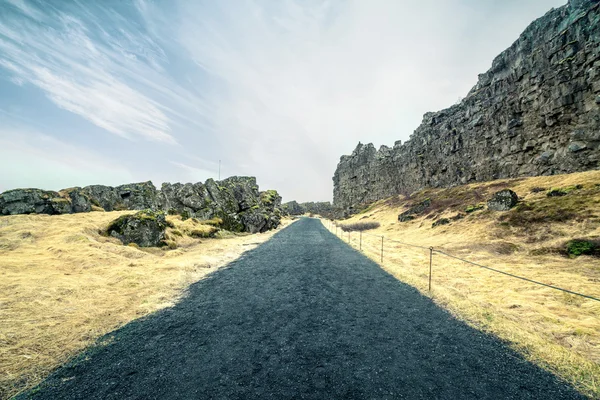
(578, 247)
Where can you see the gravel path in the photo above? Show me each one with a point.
(303, 316)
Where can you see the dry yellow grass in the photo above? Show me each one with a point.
(561, 332)
(63, 285)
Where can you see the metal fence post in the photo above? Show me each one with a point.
(360, 244)
(382, 249)
(430, 265)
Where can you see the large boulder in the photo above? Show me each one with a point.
(33, 201)
(503, 200)
(145, 228)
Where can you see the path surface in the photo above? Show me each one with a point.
(303, 316)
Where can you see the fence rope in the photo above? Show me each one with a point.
(485, 267)
(517, 276)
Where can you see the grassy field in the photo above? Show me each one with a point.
(63, 284)
(557, 330)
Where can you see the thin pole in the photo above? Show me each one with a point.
(382, 249)
(430, 265)
(360, 245)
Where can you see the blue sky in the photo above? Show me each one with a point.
(111, 92)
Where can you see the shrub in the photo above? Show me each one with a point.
(185, 215)
(538, 190)
(360, 226)
(578, 247)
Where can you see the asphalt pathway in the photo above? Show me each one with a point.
(303, 316)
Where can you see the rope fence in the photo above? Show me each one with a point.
(347, 237)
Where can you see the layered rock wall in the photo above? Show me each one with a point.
(236, 200)
(535, 112)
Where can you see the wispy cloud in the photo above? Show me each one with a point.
(77, 65)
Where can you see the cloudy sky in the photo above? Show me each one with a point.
(118, 91)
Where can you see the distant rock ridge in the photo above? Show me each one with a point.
(236, 200)
(535, 112)
(322, 208)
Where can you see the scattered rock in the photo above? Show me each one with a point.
(558, 192)
(577, 147)
(441, 221)
(145, 228)
(503, 200)
(457, 217)
(415, 210)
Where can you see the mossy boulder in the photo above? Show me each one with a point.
(145, 228)
(503, 200)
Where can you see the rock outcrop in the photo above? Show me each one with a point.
(236, 200)
(144, 228)
(535, 112)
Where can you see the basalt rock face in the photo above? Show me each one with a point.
(33, 201)
(236, 200)
(133, 196)
(535, 112)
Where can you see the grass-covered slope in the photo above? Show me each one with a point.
(550, 236)
(64, 283)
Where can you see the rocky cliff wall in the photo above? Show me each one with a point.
(236, 200)
(535, 112)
